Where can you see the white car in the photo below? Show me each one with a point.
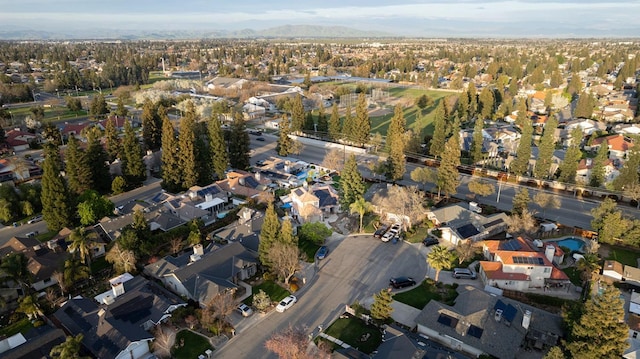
(245, 310)
(35, 219)
(394, 231)
(286, 303)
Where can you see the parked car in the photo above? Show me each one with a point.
(401, 282)
(31, 234)
(256, 133)
(244, 309)
(393, 232)
(463, 273)
(260, 139)
(387, 236)
(381, 231)
(286, 303)
(322, 252)
(35, 219)
(430, 241)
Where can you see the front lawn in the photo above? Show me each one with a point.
(21, 326)
(309, 248)
(625, 256)
(45, 237)
(418, 235)
(356, 333)
(189, 345)
(428, 290)
(275, 292)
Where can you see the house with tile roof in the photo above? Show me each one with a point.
(312, 203)
(244, 184)
(117, 323)
(619, 146)
(482, 323)
(19, 140)
(205, 273)
(585, 166)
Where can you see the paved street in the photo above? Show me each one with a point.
(357, 268)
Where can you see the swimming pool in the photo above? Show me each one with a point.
(573, 243)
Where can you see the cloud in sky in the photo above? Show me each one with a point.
(608, 15)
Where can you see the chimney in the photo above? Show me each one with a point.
(198, 249)
(258, 176)
(208, 197)
(118, 289)
(526, 319)
(549, 251)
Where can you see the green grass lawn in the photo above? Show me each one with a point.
(624, 255)
(194, 345)
(99, 264)
(419, 296)
(43, 237)
(351, 331)
(21, 326)
(275, 292)
(309, 248)
(574, 275)
(417, 237)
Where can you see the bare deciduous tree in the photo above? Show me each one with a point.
(59, 277)
(522, 223)
(289, 344)
(223, 304)
(266, 197)
(466, 250)
(165, 337)
(122, 260)
(406, 202)
(176, 245)
(284, 259)
(334, 159)
(51, 296)
(546, 200)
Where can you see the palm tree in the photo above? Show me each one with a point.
(440, 258)
(29, 306)
(360, 206)
(74, 270)
(589, 266)
(14, 265)
(81, 244)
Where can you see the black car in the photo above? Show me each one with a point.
(381, 231)
(260, 139)
(430, 241)
(401, 282)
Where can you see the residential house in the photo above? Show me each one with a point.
(74, 129)
(587, 126)
(613, 270)
(631, 275)
(225, 83)
(202, 275)
(244, 184)
(627, 129)
(211, 198)
(311, 204)
(183, 208)
(619, 146)
(517, 265)
(633, 321)
(158, 217)
(245, 230)
(285, 172)
(482, 323)
(458, 223)
(585, 167)
(19, 140)
(116, 324)
(118, 122)
(36, 343)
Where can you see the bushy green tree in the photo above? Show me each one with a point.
(546, 148)
(520, 165)
(56, 203)
(97, 159)
(521, 200)
(268, 234)
(218, 148)
(132, 165)
(335, 128)
(239, 147)
(596, 177)
(151, 125)
(77, 168)
(569, 167)
(285, 143)
(297, 115)
(478, 140)
(186, 145)
(381, 308)
(111, 140)
(351, 183)
(440, 130)
(171, 177)
(92, 207)
(396, 144)
(448, 180)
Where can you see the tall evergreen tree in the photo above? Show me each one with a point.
(396, 144)
(478, 140)
(268, 234)
(285, 143)
(186, 145)
(487, 103)
(56, 204)
(218, 147)
(151, 125)
(596, 178)
(520, 165)
(121, 110)
(98, 106)
(171, 178)
(309, 124)
(348, 125)
(132, 165)
(323, 124)
(628, 176)
(473, 100)
(77, 168)
(362, 122)
(601, 331)
(448, 171)
(111, 140)
(569, 167)
(335, 129)
(297, 115)
(239, 147)
(585, 105)
(522, 117)
(97, 159)
(351, 183)
(546, 148)
(381, 308)
(286, 233)
(203, 155)
(440, 130)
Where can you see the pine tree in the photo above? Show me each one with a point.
(286, 233)
(97, 160)
(596, 177)
(569, 167)
(98, 106)
(584, 106)
(218, 147)
(186, 145)
(520, 165)
(77, 168)
(351, 183)
(521, 201)
(285, 143)
(170, 166)
(297, 115)
(56, 203)
(362, 121)
(268, 234)
(335, 129)
(348, 125)
(473, 100)
(522, 117)
(601, 331)
(239, 147)
(546, 148)
(478, 141)
(487, 103)
(111, 140)
(121, 110)
(440, 130)
(323, 124)
(132, 166)
(448, 171)
(628, 176)
(574, 86)
(309, 124)
(151, 125)
(381, 308)
(396, 144)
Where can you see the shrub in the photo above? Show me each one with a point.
(293, 287)
(437, 233)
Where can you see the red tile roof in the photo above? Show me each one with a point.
(493, 270)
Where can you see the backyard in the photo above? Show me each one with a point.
(626, 256)
(356, 333)
(189, 345)
(428, 290)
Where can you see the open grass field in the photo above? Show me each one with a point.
(56, 113)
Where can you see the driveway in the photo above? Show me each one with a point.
(355, 269)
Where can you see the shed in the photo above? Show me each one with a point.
(613, 269)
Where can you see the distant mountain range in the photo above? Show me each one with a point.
(286, 31)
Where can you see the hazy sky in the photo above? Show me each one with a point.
(515, 18)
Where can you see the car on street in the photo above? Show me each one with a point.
(322, 252)
(381, 231)
(463, 273)
(430, 241)
(260, 139)
(286, 303)
(401, 282)
(244, 310)
(393, 232)
(255, 133)
(31, 234)
(35, 219)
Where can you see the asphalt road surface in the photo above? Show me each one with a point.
(356, 268)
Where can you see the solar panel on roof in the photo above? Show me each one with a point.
(510, 245)
(448, 320)
(475, 332)
(509, 313)
(528, 260)
(468, 230)
(78, 319)
(249, 181)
